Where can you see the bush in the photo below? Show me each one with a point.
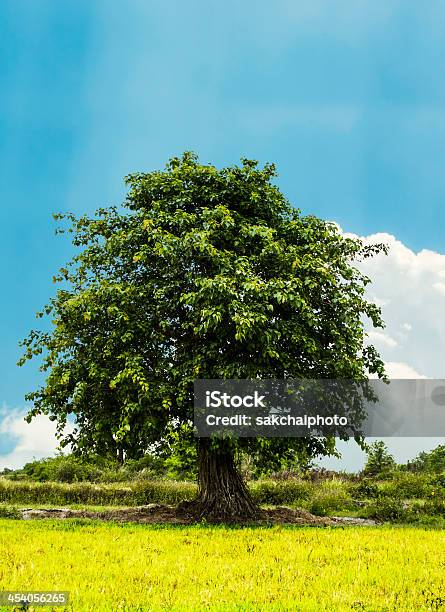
(435, 507)
(276, 493)
(10, 512)
(366, 489)
(387, 509)
(68, 468)
(405, 485)
(331, 496)
(129, 494)
(432, 461)
(438, 480)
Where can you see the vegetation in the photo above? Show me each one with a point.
(380, 461)
(140, 567)
(71, 468)
(433, 461)
(400, 495)
(204, 273)
(129, 567)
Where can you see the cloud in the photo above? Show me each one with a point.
(398, 369)
(378, 337)
(410, 289)
(32, 440)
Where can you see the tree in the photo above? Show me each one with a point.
(432, 461)
(204, 273)
(380, 461)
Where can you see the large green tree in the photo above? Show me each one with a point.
(203, 273)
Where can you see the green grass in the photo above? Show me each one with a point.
(133, 493)
(380, 500)
(138, 492)
(140, 567)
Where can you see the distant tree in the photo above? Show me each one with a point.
(204, 273)
(432, 461)
(380, 461)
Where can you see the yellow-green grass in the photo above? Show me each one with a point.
(141, 567)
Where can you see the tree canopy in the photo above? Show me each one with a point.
(202, 273)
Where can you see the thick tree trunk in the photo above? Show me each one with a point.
(222, 494)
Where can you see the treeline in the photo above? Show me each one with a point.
(96, 469)
(181, 466)
(382, 464)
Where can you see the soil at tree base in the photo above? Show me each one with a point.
(157, 513)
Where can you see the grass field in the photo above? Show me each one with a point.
(140, 567)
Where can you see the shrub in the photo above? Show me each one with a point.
(435, 507)
(331, 496)
(10, 512)
(405, 485)
(132, 493)
(387, 509)
(367, 489)
(438, 480)
(68, 468)
(280, 492)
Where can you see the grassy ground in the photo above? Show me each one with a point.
(136, 567)
(407, 499)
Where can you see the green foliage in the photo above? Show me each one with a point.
(272, 492)
(433, 461)
(331, 496)
(134, 493)
(10, 512)
(407, 486)
(177, 462)
(393, 509)
(68, 469)
(149, 466)
(438, 480)
(266, 460)
(366, 489)
(388, 509)
(435, 507)
(204, 273)
(179, 452)
(380, 462)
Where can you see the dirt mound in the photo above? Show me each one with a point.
(157, 513)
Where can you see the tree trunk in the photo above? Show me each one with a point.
(120, 455)
(222, 494)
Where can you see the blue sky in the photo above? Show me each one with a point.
(346, 97)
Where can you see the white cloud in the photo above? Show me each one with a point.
(34, 440)
(409, 287)
(440, 287)
(382, 338)
(398, 369)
